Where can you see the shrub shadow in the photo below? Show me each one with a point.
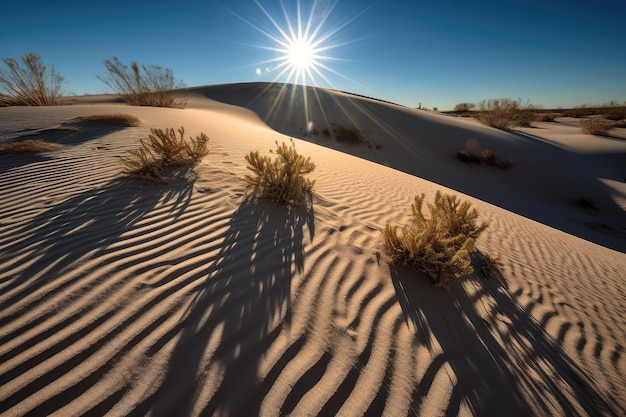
(503, 362)
(245, 302)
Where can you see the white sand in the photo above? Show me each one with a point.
(120, 297)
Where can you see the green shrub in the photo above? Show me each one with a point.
(595, 126)
(154, 86)
(438, 245)
(26, 146)
(163, 148)
(31, 85)
(281, 179)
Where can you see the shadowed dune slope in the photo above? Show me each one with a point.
(543, 184)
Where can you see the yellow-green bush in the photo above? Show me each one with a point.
(438, 245)
(280, 179)
(164, 148)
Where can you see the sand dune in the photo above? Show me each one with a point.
(121, 297)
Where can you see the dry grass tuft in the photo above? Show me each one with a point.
(121, 119)
(351, 136)
(30, 85)
(26, 146)
(596, 126)
(281, 179)
(504, 113)
(163, 148)
(485, 157)
(144, 85)
(438, 245)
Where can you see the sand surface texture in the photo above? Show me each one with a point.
(123, 297)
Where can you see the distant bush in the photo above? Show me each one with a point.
(464, 107)
(615, 113)
(163, 148)
(485, 157)
(145, 85)
(596, 126)
(438, 245)
(504, 113)
(31, 85)
(26, 146)
(546, 117)
(351, 136)
(122, 119)
(281, 179)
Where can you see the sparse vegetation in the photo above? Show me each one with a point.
(280, 179)
(504, 113)
(464, 107)
(26, 146)
(596, 126)
(164, 148)
(122, 119)
(351, 136)
(490, 266)
(438, 245)
(485, 157)
(30, 85)
(144, 85)
(586, 203)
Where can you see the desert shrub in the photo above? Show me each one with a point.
(504, 113)
(326, 132)
(546, 117)
(351, 136)
(596, 126)
(438, 245)
(485, 157)
(490, 266)
(144, 85)
(615, 113)
(464, 107)
(26, 146)
(281, 179)
(586, 203)
(121, 119)
(164, 148)
(31, 85)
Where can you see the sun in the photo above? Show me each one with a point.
(300, 54)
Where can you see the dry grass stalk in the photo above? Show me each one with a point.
(144, 85)
(31, 85)
(26, 146)
(164, 148)
(281, 179)
(122, 119)
(438, 245)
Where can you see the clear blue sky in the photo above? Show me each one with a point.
(438, 53)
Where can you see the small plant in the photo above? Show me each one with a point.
(281, 179)
(122, 119)
(595, 126)
(163, 148)
(504, 113)
(490, 266)
(485, 157)
(438, 245)
(351, 136)
(154, 86)
(586, 203)
(26, 146)
(31, 85)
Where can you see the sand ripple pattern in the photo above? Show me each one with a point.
(122, 298)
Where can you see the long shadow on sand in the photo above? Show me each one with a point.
(86, 224)
(503, 362)
(236, 314)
